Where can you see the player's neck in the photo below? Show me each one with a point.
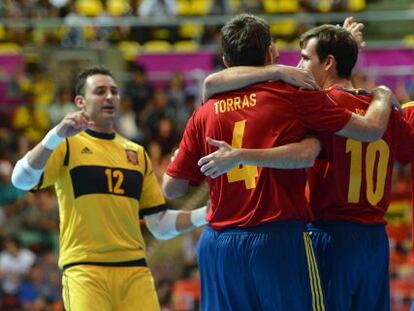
(345, 83)
(103, 128)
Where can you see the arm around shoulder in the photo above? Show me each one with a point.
(373, 124)
(241, 76)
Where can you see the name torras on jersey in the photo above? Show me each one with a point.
(235, 103)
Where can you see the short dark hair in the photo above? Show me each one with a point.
(91, 71)
(245, 40)
(336, 41)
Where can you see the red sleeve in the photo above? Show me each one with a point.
(190, 151)
(319, 112)
(405, 142)
(408, 112)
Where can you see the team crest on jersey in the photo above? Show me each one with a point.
(132, 156)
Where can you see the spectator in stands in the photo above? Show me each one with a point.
(324, 6)
(405, 90)
(220, 7)
(126, 122)
(31, 121)
(61, 106)
(184, 112)
(159, 163)
(15, 263)
(41, 289)
(138, 90)
(40, 222)
(74, 34)
(32, 293)
(159, 108)
(11, 198)
(157, 10)
(38, 83)
(176, 92)
(251, 6)
(166, 136)
(103, 31)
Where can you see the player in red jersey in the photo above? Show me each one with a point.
(350, 182)
(408, 111)
(254, 255)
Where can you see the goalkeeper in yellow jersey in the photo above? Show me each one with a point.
(104, 183)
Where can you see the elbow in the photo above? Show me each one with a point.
(173, 188)
(310, 153)
(307, 160)
(24, 177)
(21, 182)
(375, 132)
(371, 138)
(169, 192)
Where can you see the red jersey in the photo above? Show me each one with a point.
(261, 116)
(351, 180)
(408, 111)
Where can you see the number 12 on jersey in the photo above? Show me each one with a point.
(246, 173)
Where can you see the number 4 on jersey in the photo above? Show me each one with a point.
(246, 173)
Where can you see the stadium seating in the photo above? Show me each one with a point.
(129, 49)
(281, 6)
(117, 7)
(89, 7)
(283, 28)
(157, 46)
(186, 46)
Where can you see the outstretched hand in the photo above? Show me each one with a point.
(220, 161)
(356, 30)
(74, 123)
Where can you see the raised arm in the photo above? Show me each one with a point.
(28, 170)
(355, 29)
(237, 77)
(373, 124)
(291, 156)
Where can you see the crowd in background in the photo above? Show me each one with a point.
(71, 13)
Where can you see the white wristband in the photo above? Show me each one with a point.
(198, 216)
(52, 139)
